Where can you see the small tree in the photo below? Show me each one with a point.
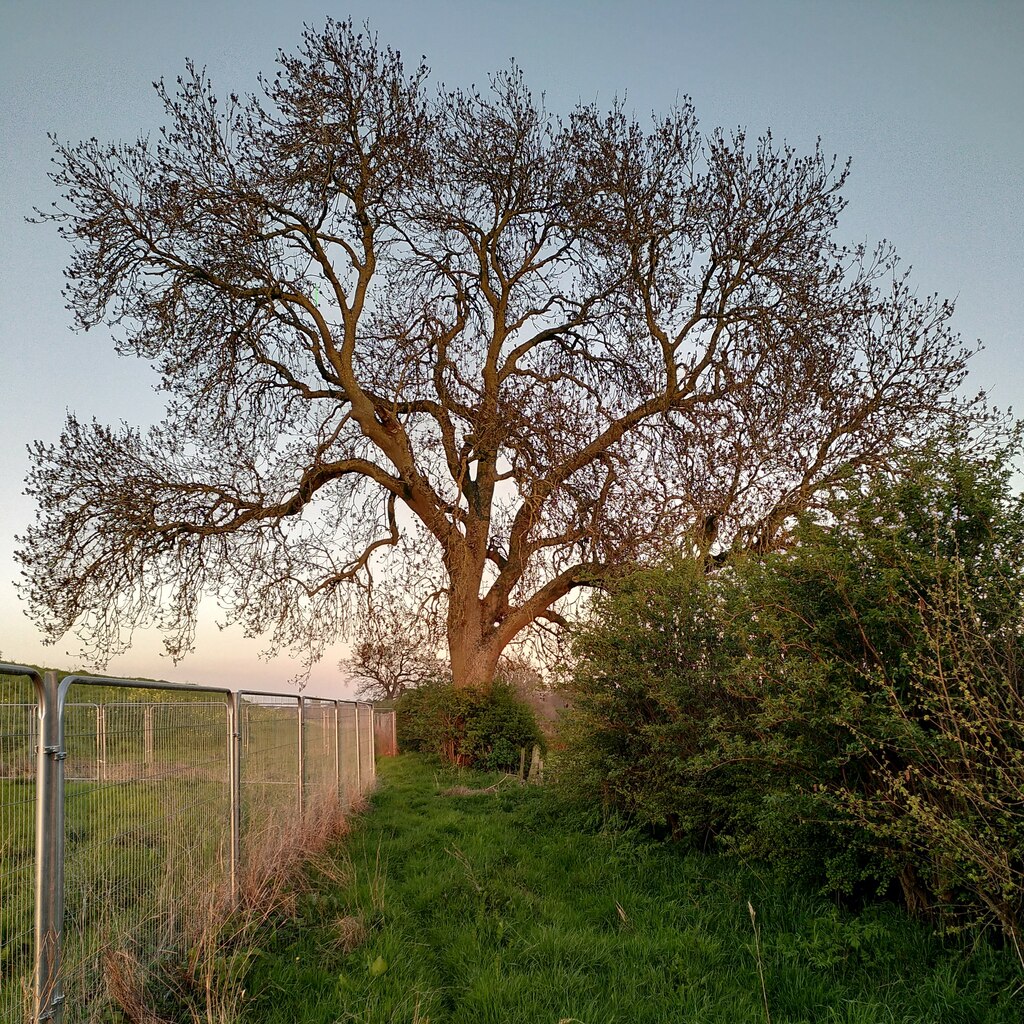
(651, 701)
(394, 652)
(557, 345)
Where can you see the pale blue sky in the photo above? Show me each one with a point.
(926, 96)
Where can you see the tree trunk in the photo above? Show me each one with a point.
(473, 661)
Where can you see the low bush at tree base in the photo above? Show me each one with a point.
(483, 728)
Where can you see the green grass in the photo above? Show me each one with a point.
(509, 908)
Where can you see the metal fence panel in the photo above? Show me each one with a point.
(270, 776)
(122, 820)
(349, 753)
(385, 739)
(366, 760)
(18, 731)
(320, 766)
(146, 844)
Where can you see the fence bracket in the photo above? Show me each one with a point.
(51, 1012)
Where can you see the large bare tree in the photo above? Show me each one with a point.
(543, 348)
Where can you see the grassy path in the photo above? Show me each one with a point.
(500, 909)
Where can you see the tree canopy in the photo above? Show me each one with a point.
(524, 349)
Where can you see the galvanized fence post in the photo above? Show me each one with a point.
(373, 741)
(234, 708)
(147, 728)
(101, 742)
(359, 756)
(32, 710)
(337, 750)
(302, 759)
(49, 910)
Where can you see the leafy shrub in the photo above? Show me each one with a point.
(852, 707)
(482, 728)
(649, 694)
(675, 724)
(909, 608)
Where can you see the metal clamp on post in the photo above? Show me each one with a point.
(55, 1006)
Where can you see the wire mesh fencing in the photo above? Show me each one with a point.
(145, 836)
(18, 737)
(385, 733)
(364, 728)
(349, 753)
(320, 751)
(270, 790)
(127, 809)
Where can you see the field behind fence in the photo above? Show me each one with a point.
(126, 808)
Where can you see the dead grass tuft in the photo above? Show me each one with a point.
(468, 791)
(350, 933)
(485, 791)
(126, 986)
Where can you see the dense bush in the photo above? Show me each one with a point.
(483, 728)
(674, 722)
(650, 695)
(903, 619)
(852, 707)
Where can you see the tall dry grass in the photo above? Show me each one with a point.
(206, 969)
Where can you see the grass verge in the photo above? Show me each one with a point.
(505, 908)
